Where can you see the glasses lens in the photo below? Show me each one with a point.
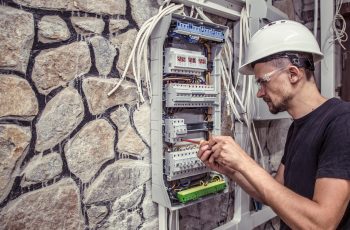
(259, 82)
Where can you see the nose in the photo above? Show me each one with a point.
(261, 92)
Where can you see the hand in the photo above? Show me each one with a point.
(204, 154)
(226, 152)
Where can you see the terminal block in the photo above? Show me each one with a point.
(184, 163)
(197, 192)
(174, 130)
(188, 28)
(179, 61)
(186, 95)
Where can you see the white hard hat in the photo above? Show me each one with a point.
(277, 37)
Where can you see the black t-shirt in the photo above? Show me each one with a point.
(318, 146)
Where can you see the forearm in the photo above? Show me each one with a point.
(297, 211)
(245, 185)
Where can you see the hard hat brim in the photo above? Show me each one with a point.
(277, 37)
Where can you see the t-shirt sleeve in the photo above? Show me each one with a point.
(283, 160)
(289, 136)
(334, 159)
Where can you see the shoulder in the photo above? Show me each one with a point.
(340, 115)
(337, 113)
(339, 107)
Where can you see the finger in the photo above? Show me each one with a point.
(211, 141)
(203, 142)
(214, 156)
(213, 166)
(199, 153)
(202, 150)
(211, 159)
(205, 147)
(217, 146)
(205, 156)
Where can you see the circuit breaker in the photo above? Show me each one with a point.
(186, 107)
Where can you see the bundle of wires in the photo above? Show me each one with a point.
(245, 102)
(139, 54)
(340, 34)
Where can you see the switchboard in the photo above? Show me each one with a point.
(186, 107)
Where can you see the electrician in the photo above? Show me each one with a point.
(311, 189)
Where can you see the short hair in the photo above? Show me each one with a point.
(298, 59)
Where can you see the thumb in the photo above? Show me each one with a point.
(212, 140)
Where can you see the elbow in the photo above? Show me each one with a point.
(325, 224)
(328, 226)
(318, 224)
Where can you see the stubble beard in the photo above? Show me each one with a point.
(277, 107)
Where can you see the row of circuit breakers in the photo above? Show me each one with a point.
(186, 107)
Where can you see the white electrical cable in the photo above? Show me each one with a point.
(202, 15)
(170, 223)
(224, 71)
(244, 39)
(139, 52)
(144, 49)
(142, 55)
(227, 55)
(340, 34)
(228, 95)
(247, 88)
(259, 147)
(315, 17)
(192, 11)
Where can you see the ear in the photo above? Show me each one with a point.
(295, 74)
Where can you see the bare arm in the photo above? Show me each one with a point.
(279, 177)
(323, 211)
(249, 188)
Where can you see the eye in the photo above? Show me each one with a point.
(259, 81)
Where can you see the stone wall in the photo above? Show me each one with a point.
(71, 157)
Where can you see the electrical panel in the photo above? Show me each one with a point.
(185, 109)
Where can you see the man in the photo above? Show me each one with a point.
(311, 189)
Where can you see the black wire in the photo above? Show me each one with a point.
(269, 223)
(273, 228)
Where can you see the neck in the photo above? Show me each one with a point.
(305, 100)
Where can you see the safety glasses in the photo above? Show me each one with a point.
(262, 81)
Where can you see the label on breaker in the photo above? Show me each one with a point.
(184, 61)
(184, 163)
